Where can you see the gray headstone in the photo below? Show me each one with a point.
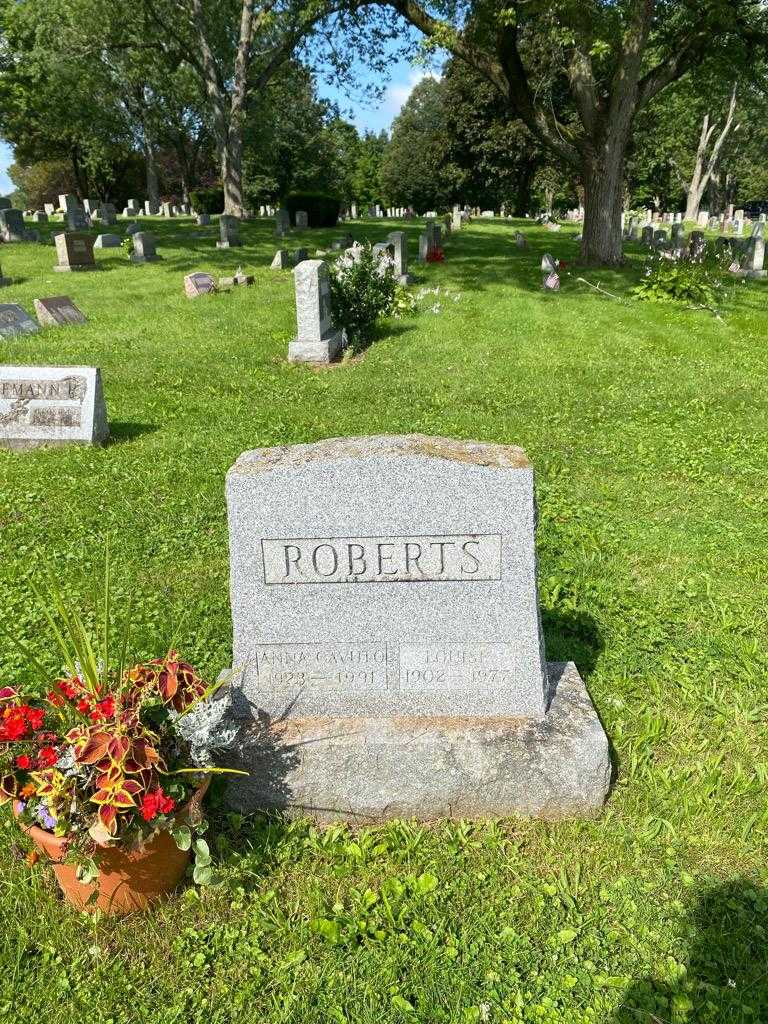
(49, 208)
(282, 222)
(198, 284)
(399, 242)
(74, 251)
(229, 230)
(302, 220)
(58, 311)
(384, 603)
(75, 219)
(423, 248)
(51, 405)
(316, 341)
(40, 217)
(548, 265)
(203, 219)
(11, 225)
(107, 242)
(282, 260)
(143, 248)
(167, 209)
(67, 202)
(15, 321)
(299, 255)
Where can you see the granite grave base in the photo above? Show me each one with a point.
(372, 769)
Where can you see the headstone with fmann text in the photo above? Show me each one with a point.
(42, 405)
(386, 586)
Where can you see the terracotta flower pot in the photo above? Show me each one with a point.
(128, 880)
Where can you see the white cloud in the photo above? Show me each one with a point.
(397, 93)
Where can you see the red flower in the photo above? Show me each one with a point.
(47, 757)
(69, 687)
(104, 709)
(83, 706)
(13, 726)
(156, 802)
(35, 718)
(55, 699)
(23, 762)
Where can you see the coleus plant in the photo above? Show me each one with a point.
(105, 757)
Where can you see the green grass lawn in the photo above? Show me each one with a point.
(648, 429)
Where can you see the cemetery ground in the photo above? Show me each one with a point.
(646, 425)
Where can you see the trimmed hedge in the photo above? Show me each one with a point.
(322, 209)
(207, 200)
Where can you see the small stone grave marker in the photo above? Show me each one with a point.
(51, 405)
(58, 311)
(197, 284)
(282, 260)
(282, 222)
(302, 220)
(14, 320)
(107, 242)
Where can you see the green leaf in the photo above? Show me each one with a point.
(202, 874)
(566, 935)
(202, 853)
(326, 929)
(182, 837)
(426, 883)
(400, 1003)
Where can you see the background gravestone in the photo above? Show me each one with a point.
(51, 405)
(386, 624)
(317, 340)
(74, 251)
(14, 320)
(229, 230)
(58, 311)
(12, 225)
(197, 284)
(143, 248)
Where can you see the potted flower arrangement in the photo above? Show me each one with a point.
(107, 770)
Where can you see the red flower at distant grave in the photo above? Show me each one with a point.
(436, 256)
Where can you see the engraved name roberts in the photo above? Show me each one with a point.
(465, 557)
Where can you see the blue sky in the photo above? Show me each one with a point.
(403, 78)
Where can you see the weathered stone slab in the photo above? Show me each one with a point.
(58, 311)
(144, 250)
(11, 225)
(51, 405)
(374, 769)
(15, 321)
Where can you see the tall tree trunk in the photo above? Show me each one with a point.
(523, 190)
(153, 185)
(704, 167)
(603, 178)
(232, 172)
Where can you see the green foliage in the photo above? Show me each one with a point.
(699, 282)
(207, 200)
(366, 178)
(414, 171)
(363, 290)
(321, 209)
(42, 182)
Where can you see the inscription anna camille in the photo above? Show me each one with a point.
(294, 560)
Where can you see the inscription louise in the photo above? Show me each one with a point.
(465, 557)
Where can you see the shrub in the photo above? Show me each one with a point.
(322, 209)
(697, 280)
(207, 200)
(363, 289)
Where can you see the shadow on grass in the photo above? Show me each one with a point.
(382, 332)
(726, 965)
(120, 432)
(572, 636)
